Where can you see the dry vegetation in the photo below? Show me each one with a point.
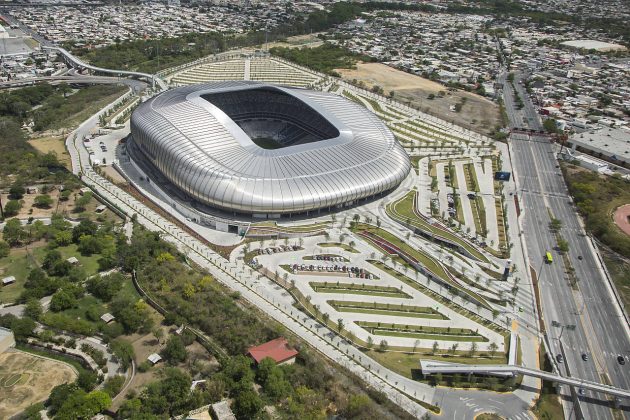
(37, 377)
(477, 113)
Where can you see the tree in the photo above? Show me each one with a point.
(473, 348)
(12, 208)
(62, 300)
(13, 233)
(105, 287)
(370, 342)
(340, 326)
(555, 225)
(85, 227)
(43, 201)
(563, 245)
(158, 333)
(123, 351)
(383, 346)
(174, 352)
(80, 405)
(247, 404)
(493, 348)
(435, 348)
(33, 308)
(17, 191)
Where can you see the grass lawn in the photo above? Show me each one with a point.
(389, 312)
(18, 263)
(366, 292)
(386, 309)
(408, 364)
(89, 264)
(418, 331)
(83, 304)
(403, 210)
(423, 336)
(338, 245)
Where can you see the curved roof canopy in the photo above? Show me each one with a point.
(251, 147)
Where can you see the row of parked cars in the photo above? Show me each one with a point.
(328, 258)
(280, 248)
(337, 268)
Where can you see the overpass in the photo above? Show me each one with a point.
(430, 366)
(77, 62)
(54, 80)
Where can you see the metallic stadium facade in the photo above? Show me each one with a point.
(264, 150)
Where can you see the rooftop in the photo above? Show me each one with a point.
(277, 349)
(612, 142)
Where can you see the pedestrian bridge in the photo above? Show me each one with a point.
(430, 366)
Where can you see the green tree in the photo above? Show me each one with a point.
(33, 308)
(247, 404)
(13, 232)
(123, 351)
(62, 300)
(174, 352)
(383, 346)
(17, 191)
(493, 348)
(12, 208)
(43, 201)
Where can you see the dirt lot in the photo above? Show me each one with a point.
(478, 113)
(53, 144)
(26, 379)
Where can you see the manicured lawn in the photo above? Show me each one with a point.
(386, 309)
(407, 364)
(85, 303)
(362, 292)
(403, 210)
(338, 245)
(419, 331)
(423, 336)
(18, 263)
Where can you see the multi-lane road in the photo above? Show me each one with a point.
(585, 319)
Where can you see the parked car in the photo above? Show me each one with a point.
(560, 358)
(621, 360)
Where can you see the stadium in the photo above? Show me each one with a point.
(262, 150)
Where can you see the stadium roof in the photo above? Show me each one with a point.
(256, 148)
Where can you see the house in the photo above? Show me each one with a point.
(73, 260)
(8, 280)
(278, 350)
(222, 411)
(107, 318)
(31, 190)
(101, 208)
(154, 358)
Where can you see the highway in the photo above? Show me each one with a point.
(587, 320)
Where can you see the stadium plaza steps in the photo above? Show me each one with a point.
(260, 69)
(208, 72)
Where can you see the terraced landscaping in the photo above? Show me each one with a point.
(439, 298)
(422, 332)
(358, 289)
(404, 211)
(386, 309)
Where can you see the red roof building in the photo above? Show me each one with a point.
(277, 349)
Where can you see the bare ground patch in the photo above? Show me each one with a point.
(55, 144)
(37, 377)
(478, 113)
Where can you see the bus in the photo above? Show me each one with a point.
(548, 257)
